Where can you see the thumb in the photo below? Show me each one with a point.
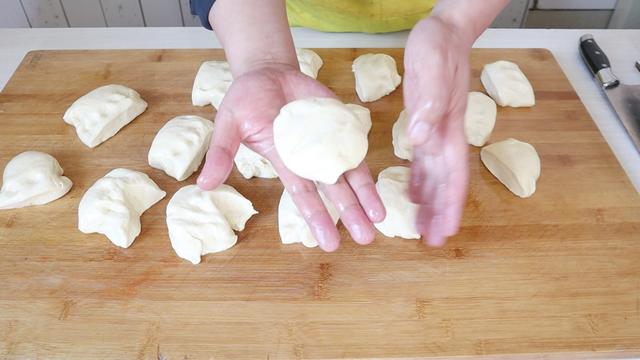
(426, 107)
(224, 146)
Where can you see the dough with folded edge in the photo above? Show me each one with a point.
(201, 222)
(102, 112)
(515, 163)
(180, 145)
(400, 139)
(507, 84)
(113, 205)
(310, 62)
(393, 185)
(479, 119)
(292, 226)
(32, 178)
(250, 164)
(376, 76)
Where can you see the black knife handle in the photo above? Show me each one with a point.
(597, 61)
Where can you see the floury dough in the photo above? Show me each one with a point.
(515, 163)
(393, 185)
(376, 76)
(32, 178)
(201, 222)
(507, 84)
(479, 119)
(101, 113)
(250, 164)
(211, 84)
(113, 205)
(214, 78)
(321, 138)
(400, 139)
(180, 146)
(292, 226)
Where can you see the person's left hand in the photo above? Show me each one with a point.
(436, 84)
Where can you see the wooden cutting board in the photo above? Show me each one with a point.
(558, 273)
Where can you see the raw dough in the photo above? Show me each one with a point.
(480, 118)
(310, 62)
(201, 222)
(102, 112)
(250, 164)
(393, 185)
(32, 178)
(507, 85)
(112, 205)
(320, 138)
(400, 140)
(211, 84)
(376, 76)
(292, 226)
(180, 145)
(515, 163)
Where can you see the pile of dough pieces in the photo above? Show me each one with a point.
(514, 163)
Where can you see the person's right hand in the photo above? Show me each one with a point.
(246, 115)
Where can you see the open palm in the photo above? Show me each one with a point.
(246, 115)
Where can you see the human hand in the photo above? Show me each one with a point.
(436, 84)
(246, 115)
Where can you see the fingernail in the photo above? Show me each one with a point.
(376, 215)
(419, 132)
(324, 240)
(356, 232)
(436, 235)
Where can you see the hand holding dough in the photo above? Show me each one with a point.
(376, 76)
(180, 145)
(401, 145)
(479, 119)
(201, 222)
(32, 178)
(113, 205)
(393, 185)
(507, 85)
(292, 226)
(515, 163)
(101, 113)
(211, 84)
(321, 138)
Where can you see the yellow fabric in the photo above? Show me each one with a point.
(372, 16)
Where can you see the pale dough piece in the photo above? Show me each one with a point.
(320, 138)
(515, 163)
(479, 119)
(393, 185)
(376, 76)
(32, 178)
(201, 222)
(211, 84)
(250, 164)
(102, 112)
(310, 62)
(292, 226)
(113, 205)
(180, 145)
(400, 139)
(507, 84)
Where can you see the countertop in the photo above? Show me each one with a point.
(622, 47)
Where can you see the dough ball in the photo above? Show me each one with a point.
(320, 138)
(393, 185)
(201, 222)
(292, 226)
(113, 205)
(32, 178)
(507, 85)
(211, 84)
(515, 163)
(479, 119)
(102, 112)
(250, 164)
(400, 139)
(310, 62)
(376, 76)
(180, 145)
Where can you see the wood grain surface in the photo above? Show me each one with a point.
(556, 274)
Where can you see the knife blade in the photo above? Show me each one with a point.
(625, 99)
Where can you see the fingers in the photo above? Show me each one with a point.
(351, 213)
(224, 145)
(362, 184)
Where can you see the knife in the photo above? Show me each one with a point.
(625, 99)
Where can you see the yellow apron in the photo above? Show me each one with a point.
(372, 16)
